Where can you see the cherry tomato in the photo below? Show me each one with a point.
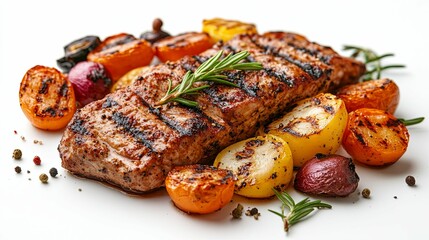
(47, 98)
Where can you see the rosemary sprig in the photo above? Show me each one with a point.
(210, 71)
(297, 211)
(372, 61)
(414, 121)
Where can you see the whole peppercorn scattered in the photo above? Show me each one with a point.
(43, 178)
(18, 169)
(53, 172)
(366, 193)
(237, 212)
(17, 154)
(37, 160)
(410, 180)
(253, 212)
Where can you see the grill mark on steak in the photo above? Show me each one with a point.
(197, 124)
(128, 126)
(77, 126)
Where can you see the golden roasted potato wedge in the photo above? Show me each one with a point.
(260, 164)
(222, 29)
(315, 125)
(380, 94)
(127, 79)
(374, 137)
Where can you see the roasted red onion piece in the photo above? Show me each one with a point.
(328, 175)
(90, 81)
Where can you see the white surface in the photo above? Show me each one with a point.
(34, 32)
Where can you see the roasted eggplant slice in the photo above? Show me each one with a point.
(77, 51)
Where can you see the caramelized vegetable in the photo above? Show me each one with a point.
(156, 34)
(315, 125)
(200, 189)
(260, 164)
(381, 94)
(47, 98)
(186, 44)
(222, 29)
(121, 53)
(328, 175)
(127, 79)
(374, 137)
(77, 51)
(90, 82)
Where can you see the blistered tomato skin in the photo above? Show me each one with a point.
(374, 137)
(380, 94)
(122, 53)
(200, 189)
(90, 81)
(187, 44)
(327, 175)
(47, 98)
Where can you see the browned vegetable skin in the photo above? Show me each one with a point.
(124, 140)
(381, 94)
(328, 175)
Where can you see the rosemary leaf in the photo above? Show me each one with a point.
(297, 211)
(372, 61)
(209, 71)
(409, 122)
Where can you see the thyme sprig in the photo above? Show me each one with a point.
(372, 61)
(297, 211)
(414, 121)
(209, 71)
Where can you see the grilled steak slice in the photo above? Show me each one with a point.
(124, 140)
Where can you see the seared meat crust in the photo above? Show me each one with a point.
(124, 140)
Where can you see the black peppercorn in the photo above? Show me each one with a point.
(18, 169)
(410, 180)
(53, 172)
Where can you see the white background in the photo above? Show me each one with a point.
(34, 32)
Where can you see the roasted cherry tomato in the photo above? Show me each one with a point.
(381, 94)
(186, 44)
(77, 51)
(121, 53)
(200, 188)
(374, 137)
(47, 98)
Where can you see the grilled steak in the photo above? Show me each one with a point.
(124, 140)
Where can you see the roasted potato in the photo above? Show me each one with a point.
(222, 29)
(127, 79)
(121, 53)
(374, 137)
(47, 98)
(381, 94)
(200, 189)
(186, 44)
(260, 164)
(314, 125)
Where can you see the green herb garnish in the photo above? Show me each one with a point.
(297, 211)
(409, 122)
(372, 61)
(210, 71)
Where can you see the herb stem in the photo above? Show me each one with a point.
(209, 71)
(297, 211)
